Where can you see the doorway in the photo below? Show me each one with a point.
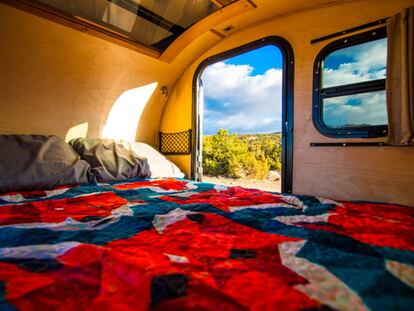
(243, 117)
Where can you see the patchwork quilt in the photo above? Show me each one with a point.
(174, 244)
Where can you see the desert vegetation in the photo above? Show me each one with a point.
(241, 156)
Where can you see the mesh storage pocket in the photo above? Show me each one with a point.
(175, 143)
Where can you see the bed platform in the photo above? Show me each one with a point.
(175, 244)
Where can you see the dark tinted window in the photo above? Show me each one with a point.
(349, 94)
(363, 62)
(365, 109)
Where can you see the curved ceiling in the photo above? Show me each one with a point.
(239, 15)
(164, 29)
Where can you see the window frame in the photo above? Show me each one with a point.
(319, 93)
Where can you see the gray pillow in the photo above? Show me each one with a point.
(111, 160)
(33, 162)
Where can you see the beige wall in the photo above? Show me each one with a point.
(360, 173)
(54, 78)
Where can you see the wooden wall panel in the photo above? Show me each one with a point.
(360, 173)
(53, 78)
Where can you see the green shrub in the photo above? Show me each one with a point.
(238, 156)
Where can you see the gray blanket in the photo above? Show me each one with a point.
(31, 162)
(111, 161)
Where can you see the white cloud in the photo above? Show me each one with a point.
(359, 63)
(368, 63)
(240, 102)
(369, 109)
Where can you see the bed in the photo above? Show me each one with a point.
(175, 244)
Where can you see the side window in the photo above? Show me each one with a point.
(349, 87)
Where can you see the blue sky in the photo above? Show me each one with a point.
(243, 94)
(261, 59)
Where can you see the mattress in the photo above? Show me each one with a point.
(175, 244)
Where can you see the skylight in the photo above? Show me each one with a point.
(155, 23)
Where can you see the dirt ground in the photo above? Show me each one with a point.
(265, 185)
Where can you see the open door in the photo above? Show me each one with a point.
(285, 125)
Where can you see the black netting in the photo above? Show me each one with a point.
(175, 143)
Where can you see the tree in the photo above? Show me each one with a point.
(238, 156)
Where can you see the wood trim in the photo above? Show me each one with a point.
(211, 21)
(217, 2)
(223, 3)
(350, 144)
(379, 22)
(77, 23)
(217, 33)
(252, 3)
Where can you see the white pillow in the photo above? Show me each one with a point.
(159, 165)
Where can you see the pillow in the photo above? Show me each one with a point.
(110, 160)
(159, 165)
(37, 162)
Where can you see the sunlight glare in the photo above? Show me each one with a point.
(123, 120)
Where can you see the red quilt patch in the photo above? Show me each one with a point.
(232, 197)
(53, 211)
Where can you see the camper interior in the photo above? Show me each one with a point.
(103, 145)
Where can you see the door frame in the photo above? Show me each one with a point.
(287, 106)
